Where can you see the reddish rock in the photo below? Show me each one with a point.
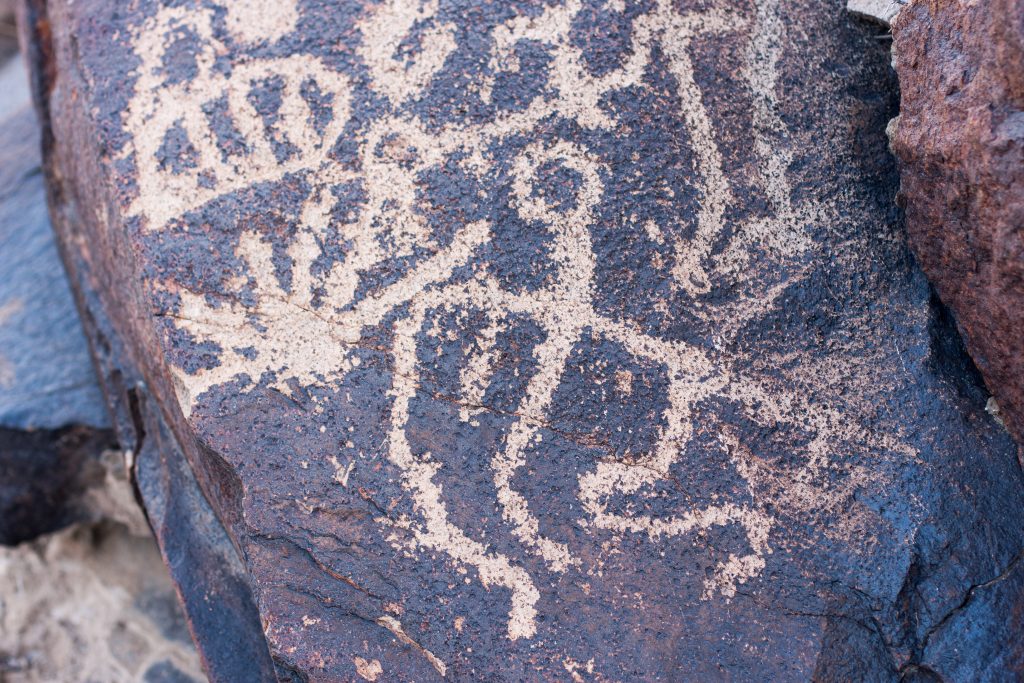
(960, 143)
(517, 341)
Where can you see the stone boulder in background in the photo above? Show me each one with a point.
(54, 428)
(960, 142)
(518, 341)
(83, 593)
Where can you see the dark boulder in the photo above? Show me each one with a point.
(535, 341)
(54, 429)
(61, 465)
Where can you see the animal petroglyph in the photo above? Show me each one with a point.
(305, 331)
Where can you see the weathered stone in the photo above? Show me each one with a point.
(59, 462)
(53, 424)
(520, 341)
(211, 581)
(89, 602)
(960, 142)
(47, 380)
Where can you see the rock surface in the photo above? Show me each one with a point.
(54, 428)
(536, 341)
(47, 379)
(83, 593)
(204, 566)
(960, 143)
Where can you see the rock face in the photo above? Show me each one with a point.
(960, 143)
(83, 594)
(535, 341)
(54, 428)
(47, 379)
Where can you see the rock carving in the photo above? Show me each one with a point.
(305, 331)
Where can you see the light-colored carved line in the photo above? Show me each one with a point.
(571, 249)
(689, 271)
(436, 269)
(418, 477)
(254, 21)
(383, 31)
(395, 626)
(691, 377)
(390, 185)
(156, 107)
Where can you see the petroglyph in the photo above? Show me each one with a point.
(252, 21)
(159, 108)
(393, 625)
(384, 30)
(306, 330)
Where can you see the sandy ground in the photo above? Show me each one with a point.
(91, 603)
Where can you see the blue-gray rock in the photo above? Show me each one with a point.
(53, 418)
(47, 379)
